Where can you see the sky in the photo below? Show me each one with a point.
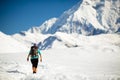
(20, 15)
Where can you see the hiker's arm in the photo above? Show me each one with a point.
(28, 57)
(40, 58)
(40, 55)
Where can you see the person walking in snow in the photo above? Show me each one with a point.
(34, 54)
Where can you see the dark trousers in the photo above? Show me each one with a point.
(34, 62)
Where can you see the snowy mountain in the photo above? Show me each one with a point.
(71, 56)
(88, 17)
(10, 45)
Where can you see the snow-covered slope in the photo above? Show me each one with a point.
(96, 58)
(10, 45)
(63, 40)
(44, 27)
(29, 38)
(89, 17)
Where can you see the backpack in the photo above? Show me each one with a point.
(33, 51)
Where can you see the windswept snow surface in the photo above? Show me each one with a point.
(10, 45)
(97, 58)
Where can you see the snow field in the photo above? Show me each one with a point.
(95, 58)
(82, 64)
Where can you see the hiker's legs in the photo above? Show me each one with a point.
(34, 65)
(33, 68)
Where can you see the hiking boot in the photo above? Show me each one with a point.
(34, 72)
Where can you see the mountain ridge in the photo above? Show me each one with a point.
(87, 18)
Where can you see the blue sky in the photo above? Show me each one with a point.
(20, 15)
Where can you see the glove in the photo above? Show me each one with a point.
(27, 59)
(40, 60)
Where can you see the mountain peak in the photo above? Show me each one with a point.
(88, 17)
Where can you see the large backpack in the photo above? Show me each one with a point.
(33, 51)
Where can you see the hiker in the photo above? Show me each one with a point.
(34, 54)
